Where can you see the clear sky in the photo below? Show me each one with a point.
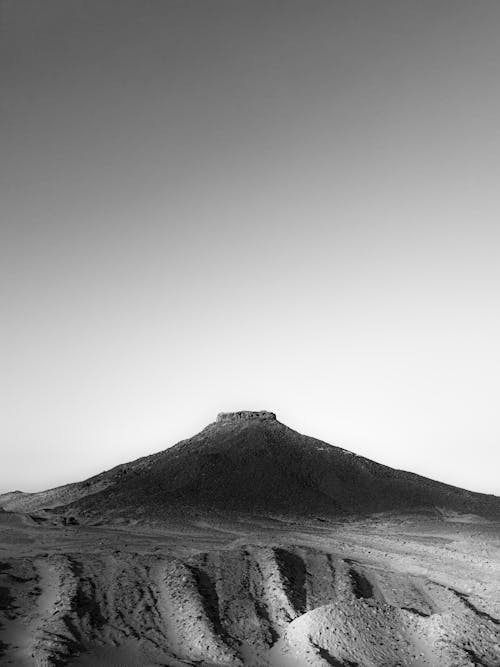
(212, 205)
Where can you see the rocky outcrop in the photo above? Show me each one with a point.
(244, 415)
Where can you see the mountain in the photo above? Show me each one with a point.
(249, 462)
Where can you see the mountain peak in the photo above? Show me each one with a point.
(246, 415)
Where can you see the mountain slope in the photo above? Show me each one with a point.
(250, 462)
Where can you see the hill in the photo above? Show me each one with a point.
(250, 462)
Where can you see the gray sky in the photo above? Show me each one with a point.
(245, 204)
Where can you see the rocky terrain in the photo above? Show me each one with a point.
(250, 544)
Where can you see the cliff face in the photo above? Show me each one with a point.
(245, 415)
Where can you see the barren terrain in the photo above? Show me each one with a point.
(245, 585)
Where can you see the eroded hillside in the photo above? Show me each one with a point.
(261, 594)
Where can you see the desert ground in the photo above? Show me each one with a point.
(218, 590)
(250, 544)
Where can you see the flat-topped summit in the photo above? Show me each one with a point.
(244, 415)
